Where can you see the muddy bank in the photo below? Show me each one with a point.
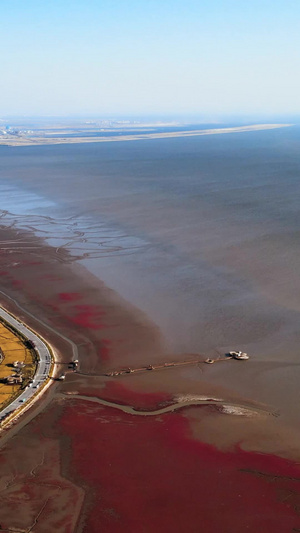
(83, 318)
(72, 464)
(105, 329)
(87, 465)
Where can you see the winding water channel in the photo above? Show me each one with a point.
(224, 406)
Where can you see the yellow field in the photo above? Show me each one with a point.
(13, 349)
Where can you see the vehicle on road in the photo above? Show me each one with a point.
(43, 368)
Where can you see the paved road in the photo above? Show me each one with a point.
(72, 344)
(43, 367)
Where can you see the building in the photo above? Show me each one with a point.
(15, 379)
(18, 365)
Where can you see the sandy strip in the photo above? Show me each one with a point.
(32, 141)
(225, 407)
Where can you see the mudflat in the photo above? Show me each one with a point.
(138, 264)
(77, 462)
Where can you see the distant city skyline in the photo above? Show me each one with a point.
(198, 58)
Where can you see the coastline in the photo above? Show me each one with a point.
(44, 140)
(101, 318)
(57, 474)
(14, 414)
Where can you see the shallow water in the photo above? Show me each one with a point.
(200, 233)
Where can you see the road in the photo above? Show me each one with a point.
(69, 341)
(43, 367)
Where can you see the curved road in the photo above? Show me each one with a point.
(43, 367)
(69, 341)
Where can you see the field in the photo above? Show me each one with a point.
(14, 349)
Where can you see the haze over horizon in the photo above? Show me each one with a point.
(206, 59)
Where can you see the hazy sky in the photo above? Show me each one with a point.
(149, 56)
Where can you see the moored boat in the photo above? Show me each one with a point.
(239, 355)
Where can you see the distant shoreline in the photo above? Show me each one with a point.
(12, 140)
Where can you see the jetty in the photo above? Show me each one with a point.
(151, 367)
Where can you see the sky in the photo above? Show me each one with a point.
(205, 58)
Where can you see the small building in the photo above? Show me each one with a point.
(18, 364)
(15, 379)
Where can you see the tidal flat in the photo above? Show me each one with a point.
(142, 253)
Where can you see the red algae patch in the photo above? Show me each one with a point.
(105, 349)
(149, 475)
(69, 296)
(119, 394)
(34, 494)
(18, 284)
(88, 316)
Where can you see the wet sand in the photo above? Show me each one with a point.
(75, 464)
(268, 330)
(110, 451)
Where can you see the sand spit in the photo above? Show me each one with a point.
(224, 406)
(186, 401)
(13, 140)
(236, 411)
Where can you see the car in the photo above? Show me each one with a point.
(22, 400)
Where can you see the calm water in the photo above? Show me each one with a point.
(200, 233)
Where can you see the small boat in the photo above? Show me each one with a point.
(239, 355)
